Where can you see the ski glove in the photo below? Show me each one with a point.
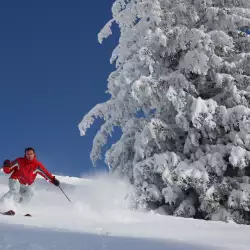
(56, 182)
(7, 163)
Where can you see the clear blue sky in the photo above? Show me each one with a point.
(52, 72)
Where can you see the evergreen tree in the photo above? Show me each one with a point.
(181, 96)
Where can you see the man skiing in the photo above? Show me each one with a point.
(23, 172)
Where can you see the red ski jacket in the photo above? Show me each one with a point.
(26, 171)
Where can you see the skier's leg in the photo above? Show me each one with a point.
(13, 193)
(26, 194)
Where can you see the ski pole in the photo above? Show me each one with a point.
(65, 194)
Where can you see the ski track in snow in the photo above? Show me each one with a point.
(97, 218)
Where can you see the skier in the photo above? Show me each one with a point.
(23, 172)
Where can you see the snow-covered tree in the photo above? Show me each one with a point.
(181, 96)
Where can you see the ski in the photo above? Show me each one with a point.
(11, 213)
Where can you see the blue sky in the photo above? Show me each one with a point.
(52, 72)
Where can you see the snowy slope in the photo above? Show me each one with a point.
(98, 219)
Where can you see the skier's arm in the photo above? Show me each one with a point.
(47, 175)
(9, 167)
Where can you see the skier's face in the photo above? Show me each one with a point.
(30, 155)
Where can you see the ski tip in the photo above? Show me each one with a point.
(10, 212)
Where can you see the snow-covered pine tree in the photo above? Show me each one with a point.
(181, 96)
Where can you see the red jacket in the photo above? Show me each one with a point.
(26, 171)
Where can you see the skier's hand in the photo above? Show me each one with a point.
(7, 163)
(56, 182)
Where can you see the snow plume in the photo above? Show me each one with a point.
(103, 197)
(185, 66)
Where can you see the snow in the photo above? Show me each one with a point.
(98, 218)
(237, 157)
